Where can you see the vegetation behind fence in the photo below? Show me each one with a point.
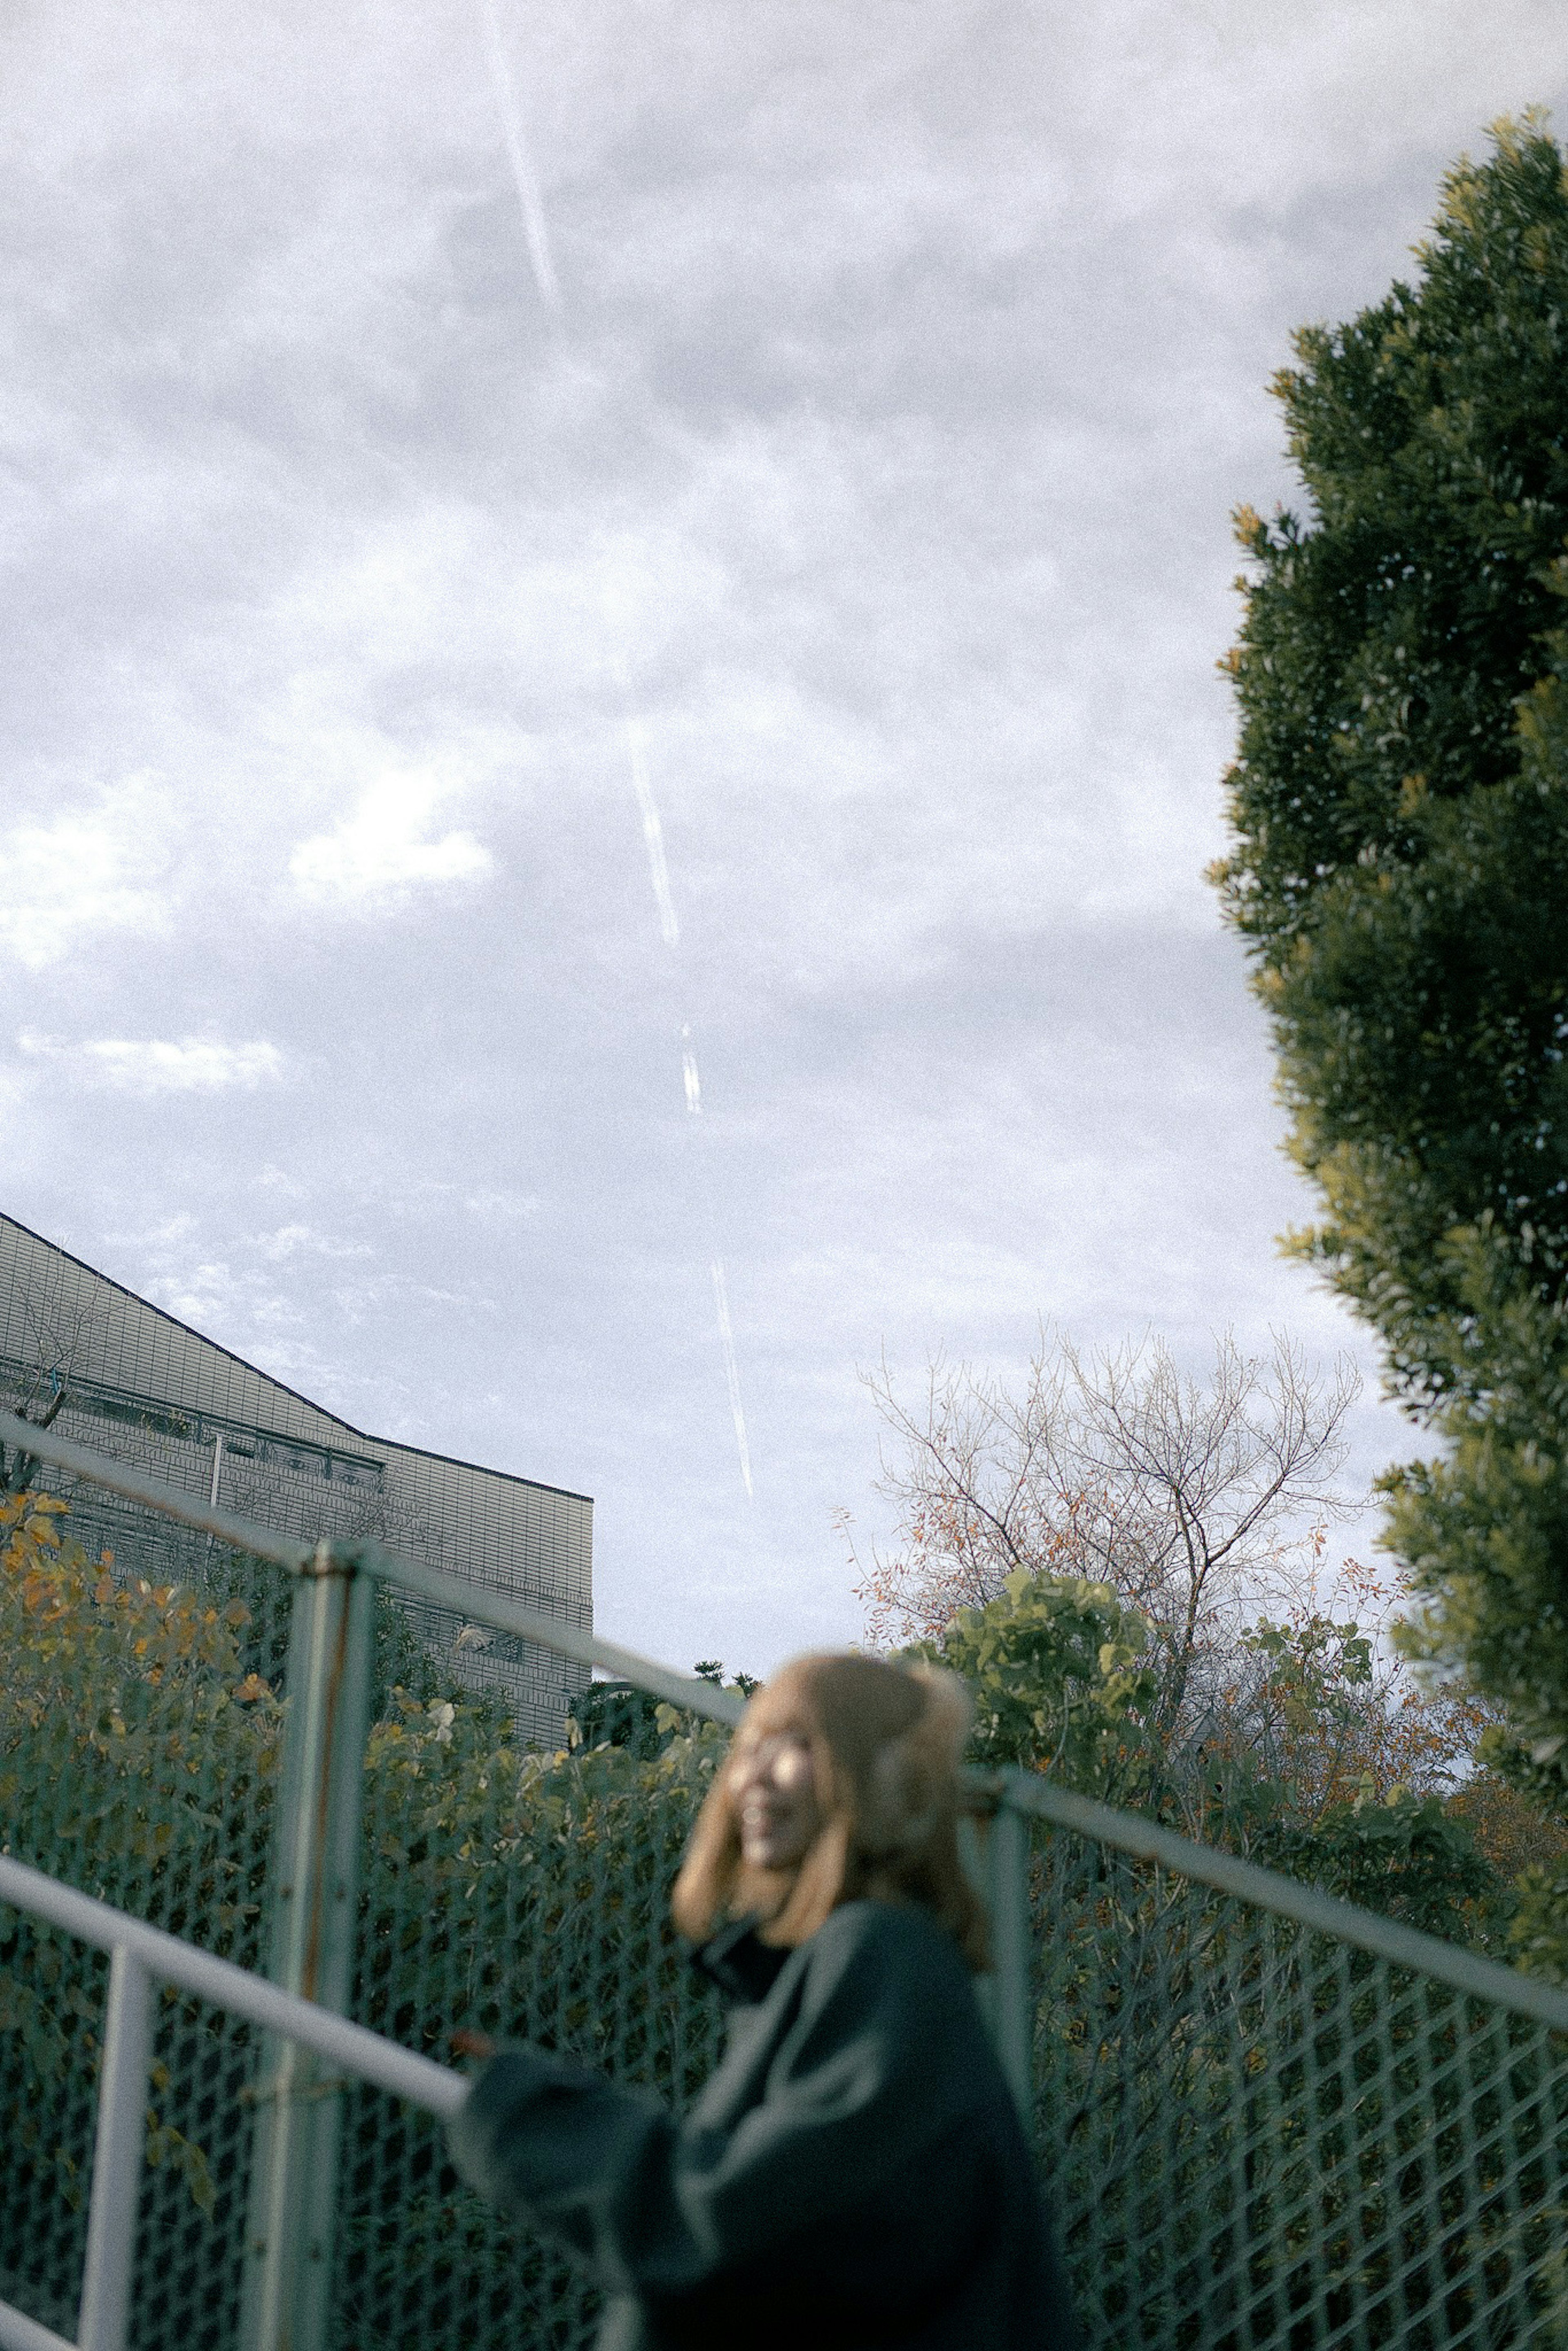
(1258, 2135)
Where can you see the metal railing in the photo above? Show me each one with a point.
(467, 1598)
(141, 1957)
(1270, 2118)
(295, 2161)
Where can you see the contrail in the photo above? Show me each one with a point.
(545, 278)
(653, 833)
(693, 1085)
(731, 1370)
(527, 186)
(716, 1268)
(659, 875)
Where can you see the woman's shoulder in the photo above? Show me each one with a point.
(891, 1972)
(893, 1938)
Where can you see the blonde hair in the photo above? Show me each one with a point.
(885, 1741)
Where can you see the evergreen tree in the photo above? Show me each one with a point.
(1400, 874)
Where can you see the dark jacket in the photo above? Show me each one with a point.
(853, 2175)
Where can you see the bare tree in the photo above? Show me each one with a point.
(18, 1471)
(1198, 1503)
(57, 1327)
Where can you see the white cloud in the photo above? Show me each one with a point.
(503, 1206)
(155, 1065)
(289, 1241)
(380, 854)
(89, 870)
(909, 362)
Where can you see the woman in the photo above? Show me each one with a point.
(854, 2174)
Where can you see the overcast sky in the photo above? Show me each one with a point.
(527, 538)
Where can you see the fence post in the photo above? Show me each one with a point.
(1012, 1995)
(314, 1891)
(105, 2317)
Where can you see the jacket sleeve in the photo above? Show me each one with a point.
(655, 2206)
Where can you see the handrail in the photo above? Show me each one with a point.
(1266, 1889)
(1464, 1971)
(140, 1956)
(475, 1601)
(165, 1957)
(102, 1469)
(20, 2332)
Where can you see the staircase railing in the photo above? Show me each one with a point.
(1272, 2119)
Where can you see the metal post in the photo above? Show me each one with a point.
(314, 1888)
(1012, 1996)
(117, 2158)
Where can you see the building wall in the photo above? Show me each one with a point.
(142, 1386)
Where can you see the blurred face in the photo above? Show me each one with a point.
(776, 1798)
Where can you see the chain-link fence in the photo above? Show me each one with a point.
(1271, 2123)
(1272, 2133)
(173, 1751)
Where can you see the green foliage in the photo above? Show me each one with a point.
(400, 1660)
(1054, 1664)
(130, 1714)
(521, 1892)
(487, 1863)
(620, 1714)
(711, 1670)
(1485, 1529)
(1322, 1724)
(1536, 1937)
(1311, 1701)
(1269, 2138)
(1514, 1833)
(1408, 1857)
(1400, 868)
(1057, 1668)
(616, 1714)
(138, 1757)
(1313, 1665)
(1303, 1735)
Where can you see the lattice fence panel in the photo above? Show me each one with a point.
(51, 2010)
(525, 1895)
(141, 1730)
(208, 2070)
(1265, 2138)
(1260, 2139)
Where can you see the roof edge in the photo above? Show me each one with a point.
(364, 1436)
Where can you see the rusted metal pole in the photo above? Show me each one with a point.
(315, 1896)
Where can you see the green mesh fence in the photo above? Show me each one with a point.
(526, 1895)
(1266, 2137)
(1257, 2135)
(520, 1891)
(51, 2001)
(138, 1757)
